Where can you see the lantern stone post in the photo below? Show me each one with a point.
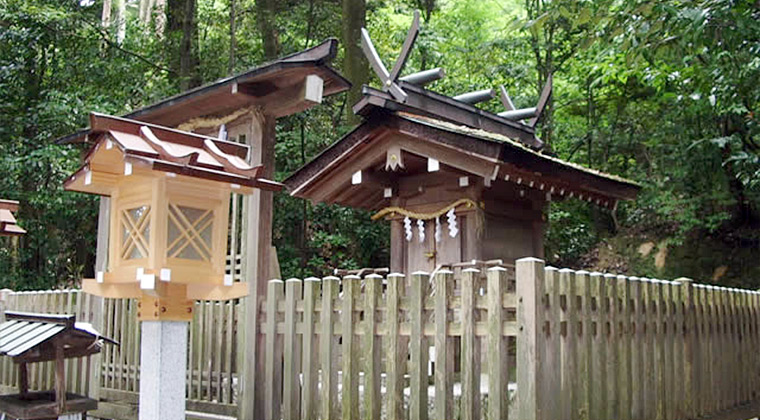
(163, 363)
(168, 221)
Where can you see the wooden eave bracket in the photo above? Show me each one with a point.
(10, 205)
(286, 100)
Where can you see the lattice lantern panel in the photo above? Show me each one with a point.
(190, 233)
(135, 232)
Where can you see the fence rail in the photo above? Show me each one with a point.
(527, 342)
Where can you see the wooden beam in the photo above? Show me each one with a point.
(543, 100)
(421, 78)
(11, 205)
(60, 379)
(287, 100)
(23, 379)
(406, 49)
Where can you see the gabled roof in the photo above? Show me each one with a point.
(8, 226)
(424, 102)
(488, 155)
(164, 149)
(258, 86)
(25, 332)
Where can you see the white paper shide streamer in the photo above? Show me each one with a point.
(408, 228)
(452, 219)
(438, 229)
(421, 229)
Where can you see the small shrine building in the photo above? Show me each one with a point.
(457, 183)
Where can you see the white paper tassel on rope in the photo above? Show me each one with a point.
(452, 219)
(408, 228)
(438, 229)
(421, 229)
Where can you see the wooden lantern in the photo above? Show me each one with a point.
(169, 211)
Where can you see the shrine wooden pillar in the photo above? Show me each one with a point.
(257, 268)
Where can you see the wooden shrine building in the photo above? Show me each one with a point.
(35, 338)
(457, 183)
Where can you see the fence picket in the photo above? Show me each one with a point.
(584, 376)
(568, 338)
(638, 373)
(395, 353)
(531, 340)
(371, 347)
(624, 342)
(498, 379)
(311, 288)
(470, 353)
(273, 352)
(418, 348)
(599, 358)
(327, 350)
(443, 351)
(552, 374)
(350, 350)
(291, 388)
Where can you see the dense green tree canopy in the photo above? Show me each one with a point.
(662, 92)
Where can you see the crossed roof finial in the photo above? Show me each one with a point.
(395, 86)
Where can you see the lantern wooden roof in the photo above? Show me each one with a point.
(121, 144)
(8, 226)
(276, 86)
(461, 151)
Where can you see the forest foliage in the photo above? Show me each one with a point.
(662, 92)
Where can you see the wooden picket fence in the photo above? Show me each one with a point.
(552, 344)
(527, 342)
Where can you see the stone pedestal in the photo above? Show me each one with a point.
(163, 366)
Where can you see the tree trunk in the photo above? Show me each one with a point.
(355, 66)
(121, 20)
(181, 37)
(266, 19)
(159, 16)
(231, 63)
(105, 18)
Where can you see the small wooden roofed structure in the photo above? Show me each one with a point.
(8, 226)
(32, 338)
(424, 160)
(410, 165)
